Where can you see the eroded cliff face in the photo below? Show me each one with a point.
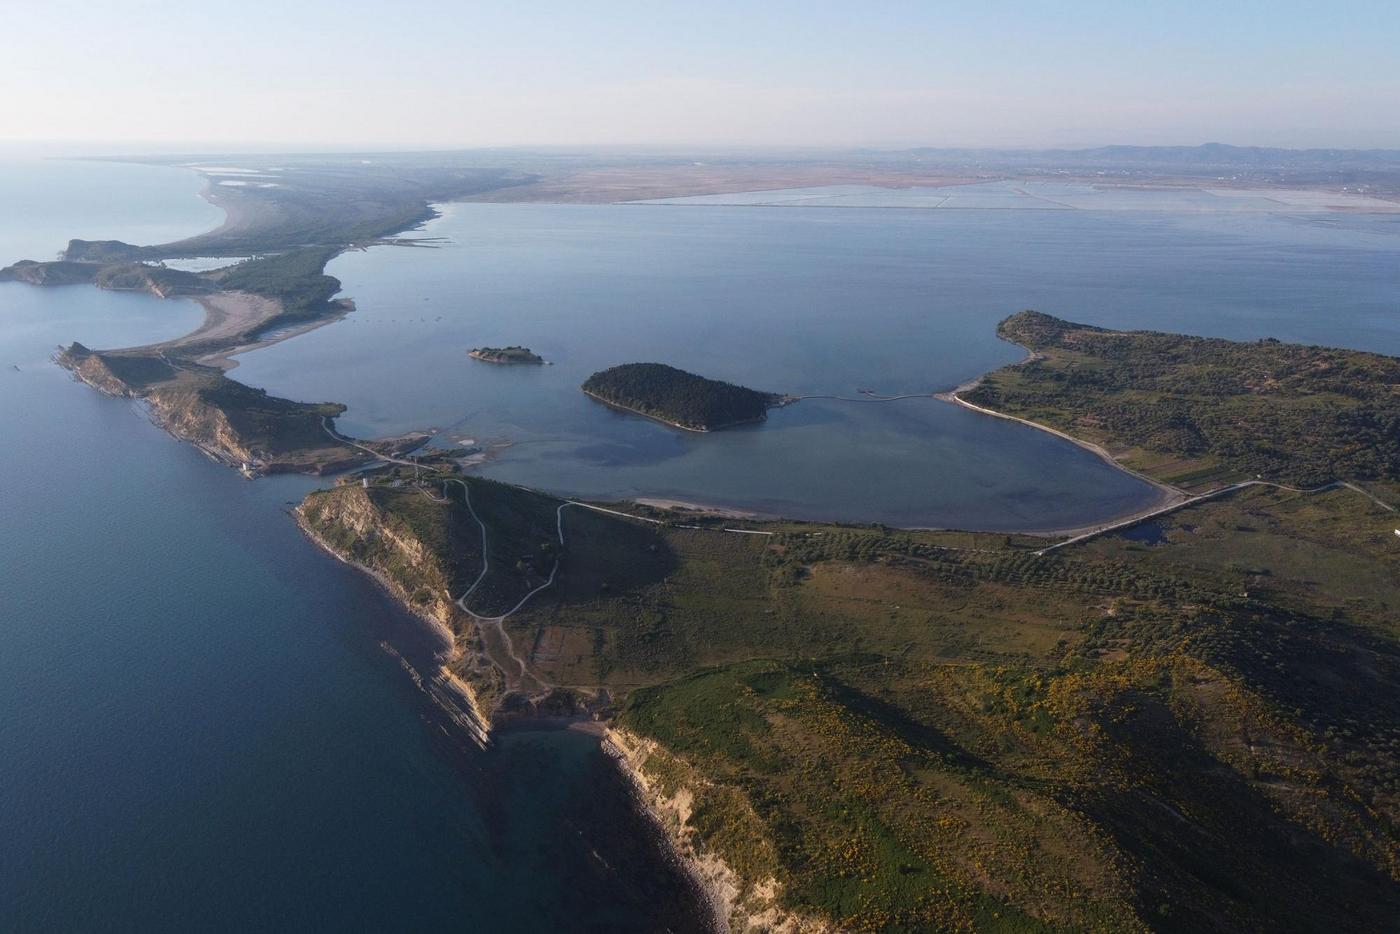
(186, 416)
(668, 787)
(346, 522)
(234, 424)
(98, 371)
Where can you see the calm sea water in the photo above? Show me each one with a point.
(198, 730)
(810, 300)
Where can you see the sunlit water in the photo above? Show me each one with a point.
(198, 729)
(809, 300)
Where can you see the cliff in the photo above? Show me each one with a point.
(233, 423)
(667, 787)
(115, 374)
(248, 426)
(347, 521)
(821, 764)
(126, 277)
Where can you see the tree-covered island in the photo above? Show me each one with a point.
(678, 398)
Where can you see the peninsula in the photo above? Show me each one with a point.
(291, 231)
(506, 355)
(678, 398)
(1194, 411)
(868, 729)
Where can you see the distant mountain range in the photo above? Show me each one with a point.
(1206, 156)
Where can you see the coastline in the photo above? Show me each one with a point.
(1097, 450)
(232, 315)
(657, 418)
(685, 505)
(736, 904)
(1168, 496)
(449, 693)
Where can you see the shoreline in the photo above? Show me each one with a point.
(735, 903)
(231, 314)
(448, 693)
(657, 418)
(1095, 449)
(1168, 496)
(228, 316)
(703, 509)
(716, 882)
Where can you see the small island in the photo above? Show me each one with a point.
(512, 354)
(680, 399)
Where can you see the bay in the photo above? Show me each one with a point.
(809, 300)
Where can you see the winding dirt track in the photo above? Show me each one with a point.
(496, 623)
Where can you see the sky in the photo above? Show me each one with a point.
(432, 74)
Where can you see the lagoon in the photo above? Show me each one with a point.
(808, 300)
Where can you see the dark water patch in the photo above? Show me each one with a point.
(1149, 533)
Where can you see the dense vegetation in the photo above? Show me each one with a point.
(917, 730)
(1192, 406)
(1198, 735)
(136, 277)
(295, 278)
(677, 397)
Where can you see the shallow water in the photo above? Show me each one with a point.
(809, 300)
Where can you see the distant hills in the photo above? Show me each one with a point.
(1207, 155)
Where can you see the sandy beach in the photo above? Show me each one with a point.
(229, 316)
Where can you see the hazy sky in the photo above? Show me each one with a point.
(414, 73)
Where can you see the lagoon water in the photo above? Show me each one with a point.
(198, 729)
(810, 300)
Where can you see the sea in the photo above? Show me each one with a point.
(200, 729)
(200, 725)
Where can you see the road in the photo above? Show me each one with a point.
(495, 624)
(1213, 494)
(326, 424)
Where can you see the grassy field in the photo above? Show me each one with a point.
(1195, 729)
